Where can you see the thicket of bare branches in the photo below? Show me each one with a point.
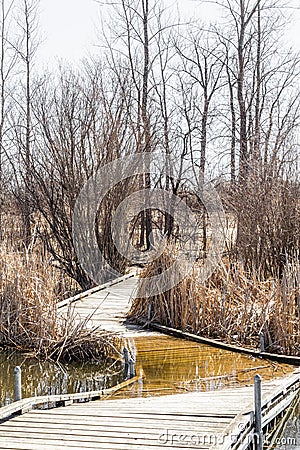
(218, 100)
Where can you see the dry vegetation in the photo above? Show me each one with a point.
(220, 103)
(231, 305)
(28, 314)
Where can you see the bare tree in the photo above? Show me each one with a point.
(264, 110)
(82, 125)
(21, 117)
(202, 65)
(7, 63)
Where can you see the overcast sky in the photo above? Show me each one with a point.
(69, 27)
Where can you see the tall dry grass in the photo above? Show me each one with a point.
(28, 314)
(231, 305)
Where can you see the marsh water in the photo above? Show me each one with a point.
(169, 365)
(45, 378)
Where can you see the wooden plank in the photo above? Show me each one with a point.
(93, 435)
(140, 427)
(134, 444)
(278, 409)
(28, 403)
(19, 444)
(117, 424)
(106, 420)
(162, 417)
(29, 440)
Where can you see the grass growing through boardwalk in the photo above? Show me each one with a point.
(231, 305)
(28, 314)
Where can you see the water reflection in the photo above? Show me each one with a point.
(173, 365)
(45, 378)
(170, 365)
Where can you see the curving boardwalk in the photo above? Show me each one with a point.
(215, 420)
(107, 305)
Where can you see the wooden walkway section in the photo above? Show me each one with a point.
(107, 305)
(214, 420)
(205, 420)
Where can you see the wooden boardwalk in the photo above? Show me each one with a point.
(107, 306)
(199, 420)
(204, 420)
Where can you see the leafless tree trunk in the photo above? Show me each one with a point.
(233, 140)
(25, 50)
(7, 63)
(256, 166)
(28, 174)
(204, 67)
(146, 224)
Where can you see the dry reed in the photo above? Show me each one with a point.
(231, 305)
(28, 314)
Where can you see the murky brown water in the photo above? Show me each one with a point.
(173, 365)
(170, 365)
(45, 378)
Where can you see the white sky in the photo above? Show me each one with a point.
(68, 27)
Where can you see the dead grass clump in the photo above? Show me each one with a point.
(231, 305)
(29, 320)
(92, 345)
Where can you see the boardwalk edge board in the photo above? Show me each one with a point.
(101, 287)
(27, 404)
(284, 359)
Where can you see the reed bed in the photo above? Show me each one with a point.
(29, 320)
(231, 305)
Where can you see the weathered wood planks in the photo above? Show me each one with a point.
(194, 420)
(107, 306)
(148, 423)
(202, 420)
